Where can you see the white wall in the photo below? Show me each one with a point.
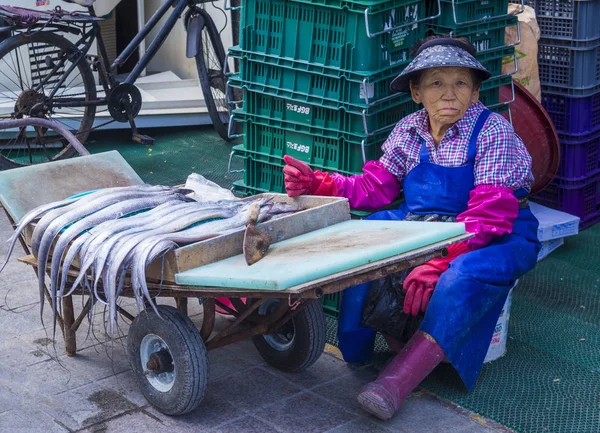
(171, 55)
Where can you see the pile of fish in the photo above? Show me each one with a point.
(115, 233)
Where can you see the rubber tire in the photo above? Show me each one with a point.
(219, 51)
(189, 356)
(309, 341)
(87, 120)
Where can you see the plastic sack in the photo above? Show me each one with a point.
(526, 51)
(383, 310)
(206, 190)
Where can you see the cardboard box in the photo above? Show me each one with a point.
(554, 224)
(549, 246)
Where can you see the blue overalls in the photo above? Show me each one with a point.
(469, 296)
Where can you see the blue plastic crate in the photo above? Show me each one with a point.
(566, 66)
(579, 157)
(567, 19)
(577, 198)
(573, 116)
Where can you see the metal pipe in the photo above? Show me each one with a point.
(44, 123)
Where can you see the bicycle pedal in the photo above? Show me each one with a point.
(143, 139)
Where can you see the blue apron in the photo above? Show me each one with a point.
(469, 296)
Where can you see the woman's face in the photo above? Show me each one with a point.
(446, 93)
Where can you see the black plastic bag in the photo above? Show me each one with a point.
(383, 310)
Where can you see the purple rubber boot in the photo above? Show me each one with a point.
(401, 376)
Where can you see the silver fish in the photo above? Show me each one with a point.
(182, 219)
(111, 212)
(92, 239)
(49, 217)
(28, 218)
(55, 226)
(123, 253)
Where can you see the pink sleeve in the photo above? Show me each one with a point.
(373, 189)
(490, 213)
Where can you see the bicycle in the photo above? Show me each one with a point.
(45, 75)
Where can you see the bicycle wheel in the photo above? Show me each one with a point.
(31, 68)
(210, 61)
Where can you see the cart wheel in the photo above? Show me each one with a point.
(168, 359)
(298, 343)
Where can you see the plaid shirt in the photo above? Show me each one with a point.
(501, 159)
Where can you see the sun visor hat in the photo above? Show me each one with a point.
(439, 53)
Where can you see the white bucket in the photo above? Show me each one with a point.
(497, 347)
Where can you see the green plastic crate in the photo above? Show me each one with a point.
(466, 12)
(263, 177)
(485, 36)
(493, 60)
(331, 304)
(269, 144)
(371, 121)
(332, 37)
(314, 119)
(314, 84)
(489, 94)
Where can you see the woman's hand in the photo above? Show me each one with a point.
(418, 287)
(298, 177)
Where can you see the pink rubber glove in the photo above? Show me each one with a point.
(372, 190)
(491, 212)
(420, 283)
(300, 179)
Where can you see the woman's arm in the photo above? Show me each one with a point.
(377, 186)
(374, 188)
(502, 166)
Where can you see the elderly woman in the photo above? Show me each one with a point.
(453, 158)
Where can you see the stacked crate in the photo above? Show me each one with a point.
(483, 22)
(315, 76)
(569, 66)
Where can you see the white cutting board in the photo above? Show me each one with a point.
(321, 253)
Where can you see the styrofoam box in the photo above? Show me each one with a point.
(549, 246)
(554, 224)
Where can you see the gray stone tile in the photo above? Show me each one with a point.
(17, 353)
(88, 405)
(230, 360)
(100, 361)
(15, 323)
(19, 289)
(305, 413)
(344, 390)
(326, 369)
(213, 411)
(360, 425)
(45, 379)
(253, 388)
(138, 421)
(424, 413)
(16, 421)
(246, 350)
(124, 383)
(247, 424)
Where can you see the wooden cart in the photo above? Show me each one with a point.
(167, 353)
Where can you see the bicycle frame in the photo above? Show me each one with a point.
(107, 74)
